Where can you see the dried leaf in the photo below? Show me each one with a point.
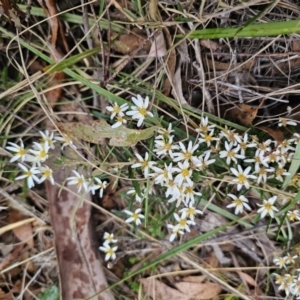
(205, 290)
(276, 133)
(244, 114)
(24, 232)
(127, 43)
(97, 130)
(247, 278)
(209, 44)
(158, 48)
(158, 290)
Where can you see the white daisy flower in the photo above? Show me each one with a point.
(109, 238)
(134, 217)
(175, 231)
(66, 140)
(40, 154)
(79, 181)
(202, 162)
(185, 154)
(191, 211)
(99, 185)
(204, 127)
(231, 154)
(20, 151)
(184, 173)
(239, 203)
(117, 110)
(242, 177)
(119, 121)
(47, 173)
(284, 122)
(267, 207)
(140, 110)
(144, 163)
(47, 137)
(29, 174)
(109, 251)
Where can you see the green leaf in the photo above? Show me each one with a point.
(294, 167)
(253, 30)
(51, 293)
(97, 130)
(70, 61)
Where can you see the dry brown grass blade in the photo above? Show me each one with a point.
(80, 270)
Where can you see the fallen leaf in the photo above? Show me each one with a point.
(247, 278)
(24, 232)
(205, 290)
(276, 133)
(126, 43)
(244, 114)
(97, 130)
(158, 48)
(158, 290)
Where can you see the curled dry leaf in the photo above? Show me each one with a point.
(158, 48)
(97, 130)
(127, 43)
(275, 133)
(244, 114)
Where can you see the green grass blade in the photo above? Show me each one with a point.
(253, 30)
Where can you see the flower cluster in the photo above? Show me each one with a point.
(110, 252)
(36, 171)
(290, 284)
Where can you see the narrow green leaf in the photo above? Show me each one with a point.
(253, 30)
(294, 167)
(70, 61)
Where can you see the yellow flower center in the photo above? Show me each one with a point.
(142, 111)
(185, 172)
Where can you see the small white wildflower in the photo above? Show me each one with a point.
(239, 203)
(189, 193)
(47, 137)
(261, 172)
(99, 185)
(140, 110)
(29, 174)
(109, 251)
(208, 138)
(47, 173)
(165, 133)
(144, 163)
(259, 159)
(231, 136)
(117, 110)
(191, 211)
(164, 147)
(20, 152)
(109, 238)
(204, 127)
(245, 144)
(119, 121)
(162, 176)
(264, 146)
(184, 173)
(284, 122)
(66, 140)
(293, 215)
(175, 231)
(79, 181)
(134, 216)
(185, 154)
(242, 177)
(280, 171)
(267, 207)
(183, 222)
(280, 262)
(40, 154)
(202, 162)
(138, 198)
(231, 154)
